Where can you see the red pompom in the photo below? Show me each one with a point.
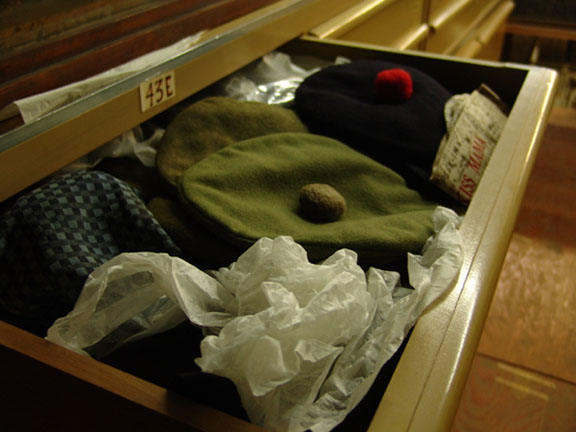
(393, 86)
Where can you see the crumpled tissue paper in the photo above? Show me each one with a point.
(303, 342)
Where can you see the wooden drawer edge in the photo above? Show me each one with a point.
(453, 45)
(102, 382)
(448, 14)
(55, 140)
(348, 19)
(414, 38)
(486, 31)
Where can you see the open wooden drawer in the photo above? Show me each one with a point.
(45, 386)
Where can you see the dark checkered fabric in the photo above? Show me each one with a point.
(56, 235)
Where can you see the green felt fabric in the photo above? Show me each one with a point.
(214, 123)
(250, 190)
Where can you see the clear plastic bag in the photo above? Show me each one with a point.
(303, 342)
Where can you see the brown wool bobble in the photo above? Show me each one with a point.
(321, 203)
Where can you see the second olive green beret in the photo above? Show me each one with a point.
(214, 123)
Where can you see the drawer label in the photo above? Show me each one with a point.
(157, 90)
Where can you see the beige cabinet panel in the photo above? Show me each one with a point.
(487, 39)
(454, 28)
(441, 10)
(397, 24)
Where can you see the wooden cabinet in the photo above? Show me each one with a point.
(397, 24)
(461, 25)
(46, 386)
(465, 28)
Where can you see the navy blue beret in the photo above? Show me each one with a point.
(342, 102)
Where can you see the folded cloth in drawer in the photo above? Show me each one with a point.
(56, 235)
(251, 190)
(214, 123)
(344, 102)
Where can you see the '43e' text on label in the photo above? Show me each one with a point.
(157, 90)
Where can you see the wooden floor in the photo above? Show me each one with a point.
(524, 373)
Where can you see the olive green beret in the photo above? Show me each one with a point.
(252, 189)
(214, 123)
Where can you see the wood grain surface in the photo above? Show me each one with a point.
(505, 398)
(532, 320)
(524, 374)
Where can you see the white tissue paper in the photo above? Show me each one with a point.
(273, 81)
(302, 342)
(132, 144)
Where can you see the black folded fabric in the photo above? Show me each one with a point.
(56, 235)
(344, 102)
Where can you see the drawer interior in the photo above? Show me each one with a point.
(528, 92)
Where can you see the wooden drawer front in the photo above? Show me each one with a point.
(441, 10)
(487, 40)
(454, 28)
(395, 24)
